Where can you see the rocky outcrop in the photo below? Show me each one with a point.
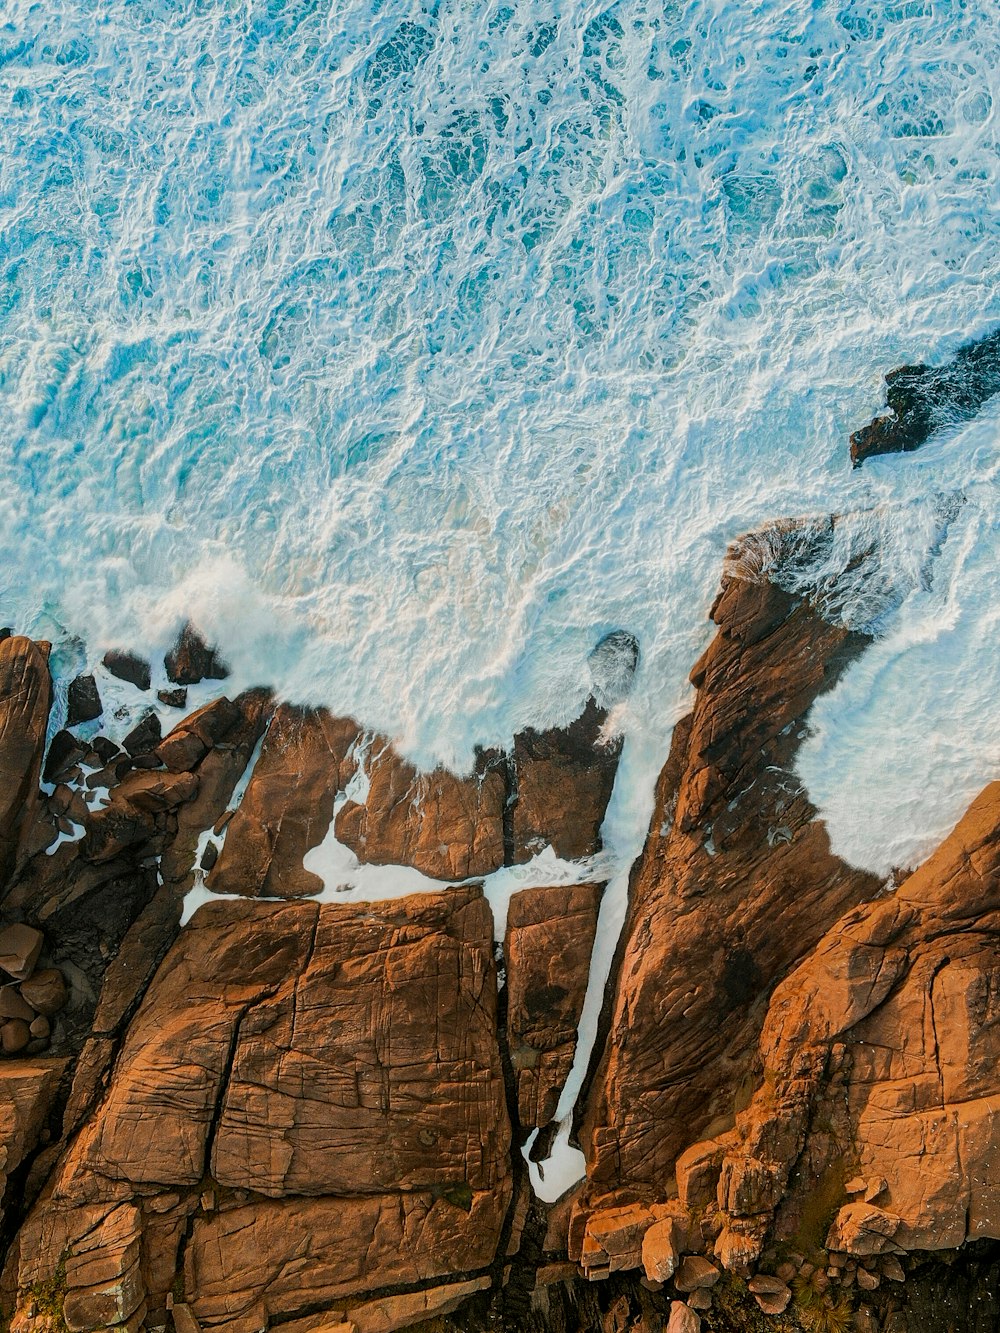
(307, 1107)
(288, 806)
(880, 1060)
(921, 399)
(449, 827)
(549, 938)
(192, 660)
(25, 697)
(128, 666)
(735, 884)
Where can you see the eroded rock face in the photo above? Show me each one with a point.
(881, 1055)
(735, 884)
(921, 399)
(288, 806)
(25, 697)
(549, 939)
(339, 1063)
(449, 827)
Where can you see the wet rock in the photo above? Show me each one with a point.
(106, 750)
(549, 938)
(192, 660)
(176, 698)
(446, 826)
(612, 667)
(64, 752)
(46, 991)
(144, 737)
(921, 399)
(128, 666)
(20, 947)
(288, 805)
(83, 701)
(564, 777)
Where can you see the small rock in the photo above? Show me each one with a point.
(20, 947)
(701, 1299)
(83, 701)
(40, 1027)
(128, 666)
(64, 751)
(13, 1006)
(192, 660)
(145, 737)
(106, 750)
(770, 1293)
(694, 1273)
(683, 1319)
(786, 1271)
(867, 1281)
(209, 856)
(46, 991)
(892, 1268)
(661, 1249)
(857, 1185)
(173, 698)
(14, 1036)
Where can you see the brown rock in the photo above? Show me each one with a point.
(144, 736)
(173, 698)
(192, 660)
(46, 991)
(695, 1273)
(700, 1299)
(25, 696)
(549, 938)
(288, 805)
(28, 1089)
(564, 779)
(446, 826)
(13, 1006)
(698, 1170)
(734, 849)
(20, 947)
(661, 1249)
(683, 1319)
(771, 1294)
(14, 1036)
(40, 1027)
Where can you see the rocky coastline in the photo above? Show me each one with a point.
(292, 1112)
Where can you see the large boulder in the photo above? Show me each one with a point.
(25, 698)
(191, 659)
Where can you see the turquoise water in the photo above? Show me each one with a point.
(410, 348)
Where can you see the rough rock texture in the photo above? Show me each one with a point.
(83, 701)
(25, 697)
(881, 1054)
(922, 399)
(288, 807)
(549, 938)
(446, 826)
(736, 883)
(128, 666)
(27, 1091)
(191, 659)
(340, 1064)
(563, 782)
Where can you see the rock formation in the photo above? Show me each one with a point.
(921, 399)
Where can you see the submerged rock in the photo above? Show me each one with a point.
(921, 399)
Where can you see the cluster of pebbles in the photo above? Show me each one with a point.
(30, 996)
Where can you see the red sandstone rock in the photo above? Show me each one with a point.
(288, 805)
(550, 935)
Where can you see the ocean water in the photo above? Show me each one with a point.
(409, 348)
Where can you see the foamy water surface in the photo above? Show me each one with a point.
(411, 347)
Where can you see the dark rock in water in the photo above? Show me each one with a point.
(144, 737)
(84, 701)
(192, 660)
(105, 749)
(209, 856)
(64, 751)
(128, 666)
(612, 666)
(921, 399)
(173, 698)
(5, 633)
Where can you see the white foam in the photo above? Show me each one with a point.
(410, 351)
